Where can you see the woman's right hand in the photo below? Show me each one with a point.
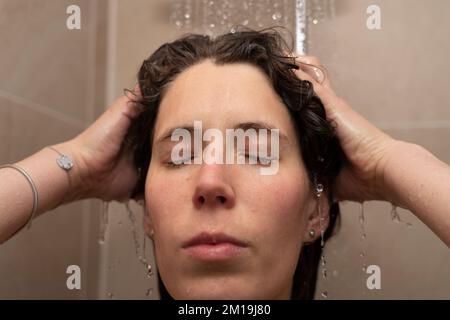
(105, 162)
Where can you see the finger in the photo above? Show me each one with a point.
(320, 90)
(305, 76)
(137, 91)
(133, 95)
(313, 67)
(334, 105)
(132, 98)
(314, 70)
(122, 106)
(309, 59)
(132, 109)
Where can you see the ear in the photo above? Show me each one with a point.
(318, 220)
(148, 225)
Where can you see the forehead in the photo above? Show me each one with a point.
(221, 96)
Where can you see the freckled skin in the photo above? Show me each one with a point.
(272, 213)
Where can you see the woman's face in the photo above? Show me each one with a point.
(270, 213)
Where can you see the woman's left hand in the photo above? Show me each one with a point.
(367, 148)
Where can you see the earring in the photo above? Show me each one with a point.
(319, 190)
(312, 233)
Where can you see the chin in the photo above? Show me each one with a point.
(215, 292)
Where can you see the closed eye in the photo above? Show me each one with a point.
(259, 160)
(181, 163)
(264, 161)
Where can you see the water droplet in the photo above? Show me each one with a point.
(149, 292)
(323, 263)
(104, 223)
(322, 242)
(187, 16)
(212, 25)
(224, 16)
(277, 15)
(110, 295)
(363, 234)
(315, 21)
(245, 22)
(233, 30)
(319, 187)
(324, 294)
(396, 217)
(139, 255)
(394, 214)
(335, 273)
(178, 23)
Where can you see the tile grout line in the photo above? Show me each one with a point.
(87, 242)
(421, 124)
(111, 58)
(39, 108)
(34, 106)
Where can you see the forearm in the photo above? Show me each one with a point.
(54, 185)
(416, 180)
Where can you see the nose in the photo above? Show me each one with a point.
(212, 188)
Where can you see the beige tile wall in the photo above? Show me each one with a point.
(50, 89)
(398, 77)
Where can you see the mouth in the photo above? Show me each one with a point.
(214, 247)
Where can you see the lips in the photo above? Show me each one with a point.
(214, 246)
(213, 239)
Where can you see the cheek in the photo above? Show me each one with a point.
(280, 206)
(158, 195)
(154, 196)
(277, 209)
(282, 198)
(167, 198)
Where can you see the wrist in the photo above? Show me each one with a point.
(399, 162)
(79, 181)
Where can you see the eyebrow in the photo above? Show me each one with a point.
(244, 125)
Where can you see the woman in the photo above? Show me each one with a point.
(247, 80)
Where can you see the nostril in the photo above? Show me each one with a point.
(202, 199)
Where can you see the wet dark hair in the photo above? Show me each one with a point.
(267, 50)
